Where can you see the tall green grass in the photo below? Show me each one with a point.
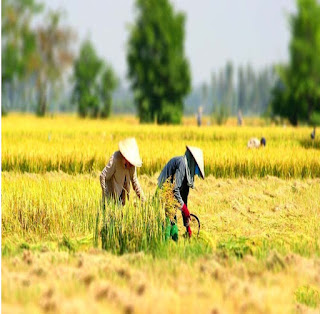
(131, 228)
(140, 227)
(308, 295)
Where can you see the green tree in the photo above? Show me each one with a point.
(241, 89)
(94, 83)
(228, 96)
(297, 94)
(86, 68)
(54, 56)
(265, 82)
(158, 69)
(18, 44)
(108, 84)
(214, 89)
(204, 94)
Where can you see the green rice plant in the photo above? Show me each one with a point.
(308, 295)
(67, 243)
(185, 249)
(237, 247)
(133, 227)
(168, 200)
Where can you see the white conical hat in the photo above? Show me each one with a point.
(198, 156)
(130, 151)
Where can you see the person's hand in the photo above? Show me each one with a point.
(189, 231)
(185, 215)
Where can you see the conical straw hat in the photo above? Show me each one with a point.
(198, 156)
(130, 151)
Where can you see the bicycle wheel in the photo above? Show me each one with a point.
(195, 224)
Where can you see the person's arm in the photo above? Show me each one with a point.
(136, 185)
(107, 173)
(179, 177)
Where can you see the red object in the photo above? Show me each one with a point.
(189, 231)
(185, 215)
(185, 211)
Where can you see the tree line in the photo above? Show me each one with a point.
(40, 68)
(296, 94)
(243, 88)
(36, 60)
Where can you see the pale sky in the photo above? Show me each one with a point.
(241, 31)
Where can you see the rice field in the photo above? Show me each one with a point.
(258, 250)
(72, 145)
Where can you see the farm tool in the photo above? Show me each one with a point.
(194, 223)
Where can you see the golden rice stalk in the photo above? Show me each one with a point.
(168, 200)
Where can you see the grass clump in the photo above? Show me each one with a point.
(131, 228)
(237, 247)
(308, 295)
(140, 227)
(66, 243)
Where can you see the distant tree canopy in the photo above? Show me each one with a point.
(158, 69)
(296, 95)
(226, 94)
(18, 39)
(34, 58)
(94, 82)
(53, 56)
(18, 44)
(36, 54)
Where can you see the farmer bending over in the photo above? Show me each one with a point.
(181, 171)
(256, 143)
(121, 169)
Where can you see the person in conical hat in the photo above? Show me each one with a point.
(181, 171)
(256, 143)
(115, 178)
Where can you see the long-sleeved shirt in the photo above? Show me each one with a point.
(115, 179)
(175, 169)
